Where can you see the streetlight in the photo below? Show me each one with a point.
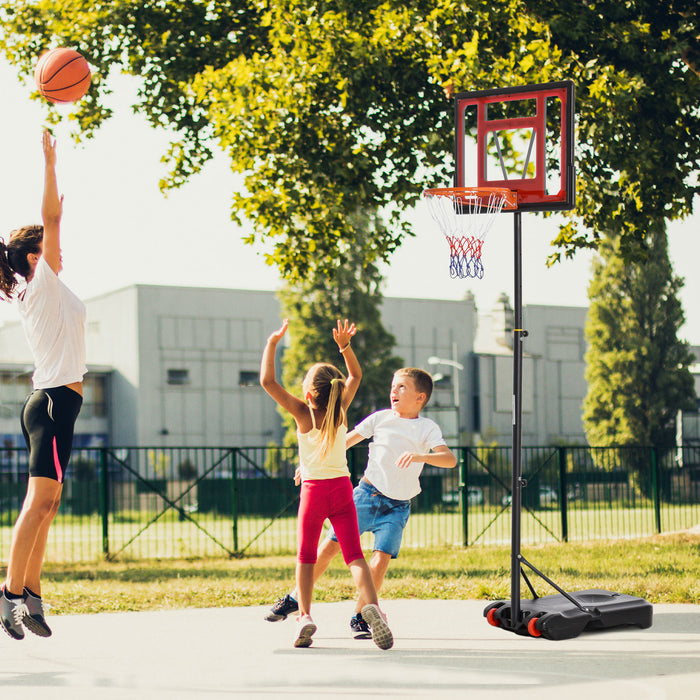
(451, 363)
(433, 360)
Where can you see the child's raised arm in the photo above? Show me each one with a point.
(342, 335)
(269, 382)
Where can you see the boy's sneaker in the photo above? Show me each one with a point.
(305, 629)
(375, 618)
(359, 628)
(283, 607)
(34, 615)
(11, 615)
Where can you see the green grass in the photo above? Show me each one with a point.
(148, 534)
(661, 569)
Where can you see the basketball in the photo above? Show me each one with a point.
(62, 75)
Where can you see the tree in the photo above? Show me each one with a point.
(639, 120)
(637, 369)
(313, 307)
(324, 108)
(339, 106)
(637, 96)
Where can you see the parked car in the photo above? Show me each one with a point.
(475, 496)
(548, 497)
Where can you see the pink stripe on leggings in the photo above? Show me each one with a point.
(57, 463)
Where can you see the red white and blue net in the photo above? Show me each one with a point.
(465, 216)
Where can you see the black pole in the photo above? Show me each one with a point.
(516, 503)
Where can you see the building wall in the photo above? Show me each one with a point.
(207, 339)
(553, 374)
(426, 328)
(183, 365)
(557, 345)
(113, 341)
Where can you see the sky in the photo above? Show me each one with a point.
(118, 229)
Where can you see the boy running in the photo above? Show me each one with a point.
(402, 442)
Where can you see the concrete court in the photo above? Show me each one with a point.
(443, 649)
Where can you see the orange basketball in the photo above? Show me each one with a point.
(62, 75)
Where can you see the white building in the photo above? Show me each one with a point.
(179, 366)
(553, 374)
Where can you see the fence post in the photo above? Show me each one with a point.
(104, 500)
(234, 496)
(655, 484)
(463, 473)
(563, 495)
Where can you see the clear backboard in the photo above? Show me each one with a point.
(519, 138)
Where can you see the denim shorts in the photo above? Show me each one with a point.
(381, 515)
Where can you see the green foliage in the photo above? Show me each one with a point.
(639, 118)
(334, 108)
(637, 369)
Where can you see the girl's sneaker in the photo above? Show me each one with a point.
(375, 618)
(34, 615)
(305, 629)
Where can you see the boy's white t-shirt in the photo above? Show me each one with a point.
(392, 436)
(54, 324)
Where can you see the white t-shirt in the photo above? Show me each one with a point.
(392, 436)
(54, 323)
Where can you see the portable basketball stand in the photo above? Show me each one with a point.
(522, 111)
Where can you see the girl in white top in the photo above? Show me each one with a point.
(326, 490)
(54, 323)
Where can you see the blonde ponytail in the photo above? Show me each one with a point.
(335, 414)
(327, 389)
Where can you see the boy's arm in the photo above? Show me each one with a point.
(441, 456)
(352, 438)
(342, 336)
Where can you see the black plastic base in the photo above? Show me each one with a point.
(556, 617)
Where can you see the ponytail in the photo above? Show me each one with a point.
(8, 281)
(335, 415)
(13, 257)
(328, 387)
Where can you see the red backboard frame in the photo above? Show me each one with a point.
(532, 191)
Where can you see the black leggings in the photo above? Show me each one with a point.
(48, 421)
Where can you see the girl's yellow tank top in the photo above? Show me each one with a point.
(313, 464)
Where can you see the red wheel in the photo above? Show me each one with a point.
(532, 628)
(491, 618)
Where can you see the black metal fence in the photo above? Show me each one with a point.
(137, 503)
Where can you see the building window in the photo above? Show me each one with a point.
(178, 376)
(246, 378)
(94, 396)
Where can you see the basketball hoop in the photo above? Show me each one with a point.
(465, 215)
